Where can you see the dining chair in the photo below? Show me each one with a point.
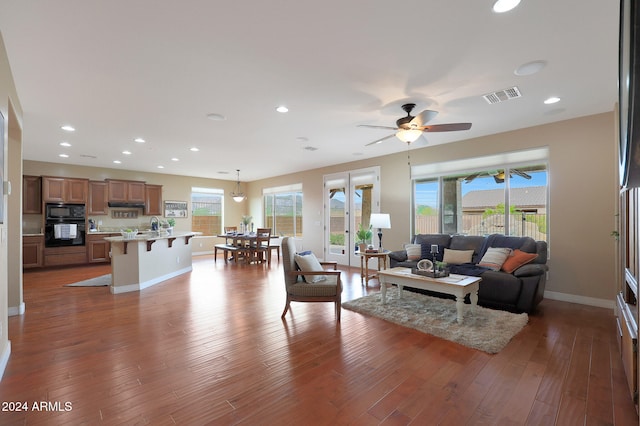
(274, 244)
(259, 247)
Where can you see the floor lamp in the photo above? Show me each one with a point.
(380, 221)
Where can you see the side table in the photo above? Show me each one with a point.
(364, 264)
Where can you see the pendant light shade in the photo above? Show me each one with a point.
(238, 196)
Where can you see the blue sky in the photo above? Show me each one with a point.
(427, 194)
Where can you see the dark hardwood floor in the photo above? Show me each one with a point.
(209, 347)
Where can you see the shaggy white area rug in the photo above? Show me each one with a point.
(485, 329)
(100, 281)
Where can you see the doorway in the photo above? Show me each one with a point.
(349, 199)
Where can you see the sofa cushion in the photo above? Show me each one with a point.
(456, 257)
(469, 242)
(494, 257)
(516, 259)
(414, 251)
(427, 240)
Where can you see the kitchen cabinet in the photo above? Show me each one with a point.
(153, 200)
(64, 190)
(98, 248)
(32, 253)
(124, 191)
(97, 203)
(31, 195)
(71, 255)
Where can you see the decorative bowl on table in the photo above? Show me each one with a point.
(129, 234)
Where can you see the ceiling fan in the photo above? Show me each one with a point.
(498, 175)
(410, 128)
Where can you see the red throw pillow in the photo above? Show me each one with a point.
(517, 259)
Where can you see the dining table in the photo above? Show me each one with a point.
(239, 240)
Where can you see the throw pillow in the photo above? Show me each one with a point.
(413, 251)
(456, 257)
(517, 259)
(309, 263)
(494, 257)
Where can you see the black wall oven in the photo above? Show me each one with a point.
(64, 225)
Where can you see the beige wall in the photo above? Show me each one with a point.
(583, 197)
(10, 230)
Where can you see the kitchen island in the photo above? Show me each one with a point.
(148, 259)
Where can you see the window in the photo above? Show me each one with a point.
(206, 210)
(510, 200)
(283, 210)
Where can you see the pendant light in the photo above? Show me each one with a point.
(238, 196)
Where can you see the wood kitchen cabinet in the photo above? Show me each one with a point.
(98, 248)
(31, 194)
(32, 251)
(64, 190)
(71, 255)
(153, 200)
(97, 203)
(124, 191)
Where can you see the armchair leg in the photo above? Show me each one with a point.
(286, 308)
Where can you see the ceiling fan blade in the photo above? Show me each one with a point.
(380, 140)
(446, 127)
(377, 127)
(422, 118)
(520, 173)
(471, 177)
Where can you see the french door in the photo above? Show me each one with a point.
(349, 199)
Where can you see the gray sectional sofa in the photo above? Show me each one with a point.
(519, 291)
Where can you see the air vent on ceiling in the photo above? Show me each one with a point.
(310, 148)
(502, 95)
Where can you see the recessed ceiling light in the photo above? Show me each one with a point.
(282, 109)
(216, 117)
(126, 152)
(552, 100)
(65, 144)
(161, 167)
(63, 155)
(501, 6)
(68, 128)
(175, 159)
(117, 161)
(139, 140)
(194, 149)
(530, 68)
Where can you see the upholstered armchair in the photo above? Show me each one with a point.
(314, 284)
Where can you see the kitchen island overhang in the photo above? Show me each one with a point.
(148, 259)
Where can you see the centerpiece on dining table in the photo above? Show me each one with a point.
(246, 225)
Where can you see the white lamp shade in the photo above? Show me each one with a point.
(380, 220)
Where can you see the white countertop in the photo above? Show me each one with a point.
(152, 236)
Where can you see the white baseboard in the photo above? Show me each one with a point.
(140, 286)
(16, 310)
(200, 253)
(4, 358)
(582, 300)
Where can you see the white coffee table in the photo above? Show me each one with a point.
(455, 285)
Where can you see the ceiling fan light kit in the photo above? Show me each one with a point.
(238, 196)
(410, 128)
(409, 136)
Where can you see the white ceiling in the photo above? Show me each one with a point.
(118, 70)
